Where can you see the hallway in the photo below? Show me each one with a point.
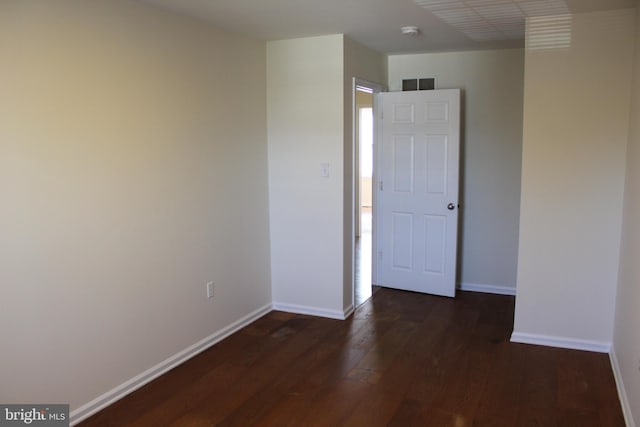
(363, 287)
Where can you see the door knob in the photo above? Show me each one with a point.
(451, 206)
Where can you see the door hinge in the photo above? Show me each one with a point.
(381, 186)
(380, 255)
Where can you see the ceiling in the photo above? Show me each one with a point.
(445, 25)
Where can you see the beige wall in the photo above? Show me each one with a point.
(576, 120)
(626, 340)
(305, 111)
(133, 169)
(309, 104)
(366, 187)
(492, 85)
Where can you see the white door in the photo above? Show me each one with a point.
(417, 190)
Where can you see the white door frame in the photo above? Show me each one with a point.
(376, 88)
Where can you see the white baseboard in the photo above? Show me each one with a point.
(487, 289)
(313, 311)
(561, 342)
(622, 391)
(101, 402)
(349, 311)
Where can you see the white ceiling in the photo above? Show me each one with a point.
(445, 25)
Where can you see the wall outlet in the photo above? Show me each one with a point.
(210, 289)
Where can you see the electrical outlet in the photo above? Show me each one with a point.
(210, 289)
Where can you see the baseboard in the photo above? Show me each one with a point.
(313, 311)
(622, 391)
(487, 289)
(101, 402)
(561, 342)
(349, 311)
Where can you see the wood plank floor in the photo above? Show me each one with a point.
(403, 359)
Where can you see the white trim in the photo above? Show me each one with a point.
(622, 391)
(108, 398)
(313, 311)
(349, 311)
(377, 87)
(561, 342)
(487, 289)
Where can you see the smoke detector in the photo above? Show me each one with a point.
(410, 30)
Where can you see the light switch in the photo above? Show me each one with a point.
(324, 170)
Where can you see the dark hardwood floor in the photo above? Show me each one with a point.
(403, 359)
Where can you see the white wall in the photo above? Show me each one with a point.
(492, 84)
(309, 104)
(626, 340)
(305, 111)
(133, 169)
(576, 120)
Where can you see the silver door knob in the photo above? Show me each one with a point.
(451, 206)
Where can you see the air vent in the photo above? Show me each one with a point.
(428, 83)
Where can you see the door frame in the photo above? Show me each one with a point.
(375, 88)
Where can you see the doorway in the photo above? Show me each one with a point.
(363, 194)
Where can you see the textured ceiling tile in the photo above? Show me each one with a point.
(440, 4)
(481, 3)
(500, 10)
(543, 7)
(484, 20)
